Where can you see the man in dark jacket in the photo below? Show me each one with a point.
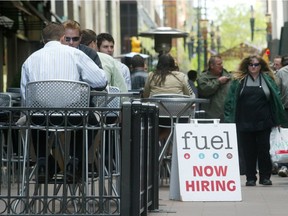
(213, 84)
(138, 73)
(73, 39)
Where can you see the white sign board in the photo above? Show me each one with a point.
(205, 163)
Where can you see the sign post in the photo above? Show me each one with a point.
(205, 163)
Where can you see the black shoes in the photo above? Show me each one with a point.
(265, 182)
(251, 183)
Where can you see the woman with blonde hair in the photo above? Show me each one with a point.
(254, 104)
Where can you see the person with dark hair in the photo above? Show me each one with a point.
(138, 73)
(213, 84)
(277, 63)
(282, 81)
(105, 44)
(254, 104)
(192, 77)
(110, 65)
(282, 76)
(89, 38)
(166, 79)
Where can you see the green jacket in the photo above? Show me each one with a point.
(276, 104)
(210, 88)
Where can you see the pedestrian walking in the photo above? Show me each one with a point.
(254, 104)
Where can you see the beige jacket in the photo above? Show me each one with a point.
(174, 84)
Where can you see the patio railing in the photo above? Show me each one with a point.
(103, 167)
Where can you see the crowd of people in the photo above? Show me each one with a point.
(253, 97)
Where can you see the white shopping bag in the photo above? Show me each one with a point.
(279, 145)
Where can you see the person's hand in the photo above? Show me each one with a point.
(223, 79)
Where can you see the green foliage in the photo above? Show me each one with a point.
(235, 26)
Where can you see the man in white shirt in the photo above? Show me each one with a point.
(58, 61)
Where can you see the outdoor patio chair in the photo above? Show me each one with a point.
(61, 96)
(6, 149)
(108, 147)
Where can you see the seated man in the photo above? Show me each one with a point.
(58, 61)
(138, 73)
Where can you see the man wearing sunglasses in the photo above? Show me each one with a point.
(73, 38)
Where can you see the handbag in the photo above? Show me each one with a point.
(279, 145)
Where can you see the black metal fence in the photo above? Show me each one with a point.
(90, 161)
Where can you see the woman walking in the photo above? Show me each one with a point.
(253, 103)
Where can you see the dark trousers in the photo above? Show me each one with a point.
(256, 147)
(242, 164)
(39, 137)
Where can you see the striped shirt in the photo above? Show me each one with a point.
(58, 61)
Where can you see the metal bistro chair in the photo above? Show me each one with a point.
(56, 94)
(5, 148)
(110, 145)
(172, 109)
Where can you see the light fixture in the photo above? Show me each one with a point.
(163, 37)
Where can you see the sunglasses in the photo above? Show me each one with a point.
(68, 39)
(254, 65)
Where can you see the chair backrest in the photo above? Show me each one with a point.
(57, 94)
(102, 99)
(5, 100)
(172, 105)
(116, 101)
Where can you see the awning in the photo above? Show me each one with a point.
(146, 18)
(35, 11)
(58, 19)
(6, 22)
(20, 6)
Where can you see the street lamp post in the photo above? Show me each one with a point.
(198, 38)
(252, 23)
(218, 39)
(204, 29)
(268, 28)
(212, 34)
(191, 44)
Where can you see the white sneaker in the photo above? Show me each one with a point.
(283, 172)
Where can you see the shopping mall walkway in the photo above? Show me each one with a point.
(256, 201)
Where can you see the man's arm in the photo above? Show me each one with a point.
(207, 86)
(92, 54)
(91, 73)
(117, 78)
(126, 74)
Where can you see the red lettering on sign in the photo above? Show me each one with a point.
(209, 171)
(216, 185)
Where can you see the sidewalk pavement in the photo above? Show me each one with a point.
(256, 201)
